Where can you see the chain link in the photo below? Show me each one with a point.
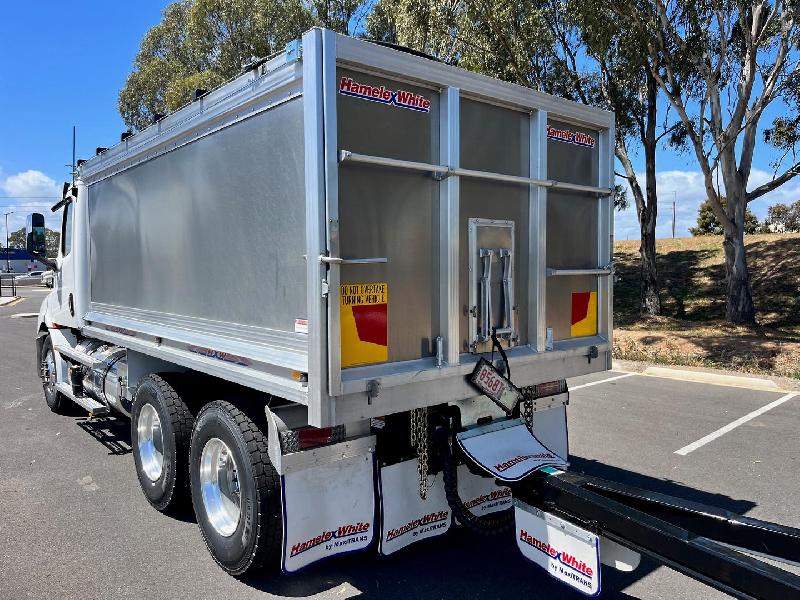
(419, 440)
(526, 408)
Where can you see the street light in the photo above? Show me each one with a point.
(8, 260)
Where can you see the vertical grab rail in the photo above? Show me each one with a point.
(508, 293)
(486, 293)
(506, 326)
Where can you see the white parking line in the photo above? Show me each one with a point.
(591, 383)
(731, 426)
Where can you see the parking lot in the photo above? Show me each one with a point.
(73, 523)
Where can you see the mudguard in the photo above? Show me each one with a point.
(328, 509)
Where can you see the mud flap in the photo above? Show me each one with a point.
(481, 495)
(405, 517)
(507, 450)
(567, 552)
(328, 509)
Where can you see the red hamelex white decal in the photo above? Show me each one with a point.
(571, 137)
(383, 95)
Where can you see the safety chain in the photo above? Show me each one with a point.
(419, 440)
(526, 408)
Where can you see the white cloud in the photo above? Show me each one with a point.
(688, 190)
(26, 192)
(30, 183)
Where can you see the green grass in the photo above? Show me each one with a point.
(692, 329)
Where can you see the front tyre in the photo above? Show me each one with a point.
(161, 430)
(47, 371)
(235, 489)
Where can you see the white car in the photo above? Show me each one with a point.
(32, 278)
(47, 278)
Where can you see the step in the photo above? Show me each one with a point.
(93, 407)
(75, 355)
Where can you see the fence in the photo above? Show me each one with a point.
(7, 283)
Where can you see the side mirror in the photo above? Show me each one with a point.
(36, 239)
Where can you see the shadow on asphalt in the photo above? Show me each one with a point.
(113, 433)
(455, 565)
(461, 565)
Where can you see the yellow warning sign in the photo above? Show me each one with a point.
(364, 310)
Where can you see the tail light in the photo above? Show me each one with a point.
(294, 440)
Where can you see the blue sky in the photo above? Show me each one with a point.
(63, 63)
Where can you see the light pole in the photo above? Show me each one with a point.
(674, 201)
(8, 260)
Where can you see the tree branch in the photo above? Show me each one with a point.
(767, 95)
(521, 77)
(621, 153)
(667, 130)
(766, 188)
(671, 90)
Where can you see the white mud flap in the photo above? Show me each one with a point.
(405, 517)
(550, 428)
(565, 551)
(481, 495)
(507, 450)
(328, 509)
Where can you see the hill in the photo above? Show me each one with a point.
(692, 330)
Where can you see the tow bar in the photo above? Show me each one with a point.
(703, 542)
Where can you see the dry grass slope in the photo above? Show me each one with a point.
(692, 330)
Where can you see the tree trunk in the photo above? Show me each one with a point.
(739, 307)
(650, 302)
(739, 302)
(646, 213)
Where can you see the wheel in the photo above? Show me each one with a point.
(161, 431)
(56, 401)
(236, 491)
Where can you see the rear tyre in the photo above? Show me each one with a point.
(56, 401)
(236, 491)
(161, 431)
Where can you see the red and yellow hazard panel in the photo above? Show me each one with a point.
(365, 319)
(584, 314)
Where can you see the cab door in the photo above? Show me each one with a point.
(62, 307)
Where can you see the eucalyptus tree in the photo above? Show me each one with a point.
(200, 44)
(563, 47)
(723, 64)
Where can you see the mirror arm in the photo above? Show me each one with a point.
(48, 262)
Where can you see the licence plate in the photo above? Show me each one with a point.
(486, 378)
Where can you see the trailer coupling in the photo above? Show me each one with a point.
(706, 543)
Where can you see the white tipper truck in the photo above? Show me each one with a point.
(338, 298)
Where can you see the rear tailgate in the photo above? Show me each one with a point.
(459, 205)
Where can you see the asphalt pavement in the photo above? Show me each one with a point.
(74, 524)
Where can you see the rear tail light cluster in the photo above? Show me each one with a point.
(294, 440)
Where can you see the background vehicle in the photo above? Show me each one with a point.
(32, 278)
(405, 223)
(47, 278)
